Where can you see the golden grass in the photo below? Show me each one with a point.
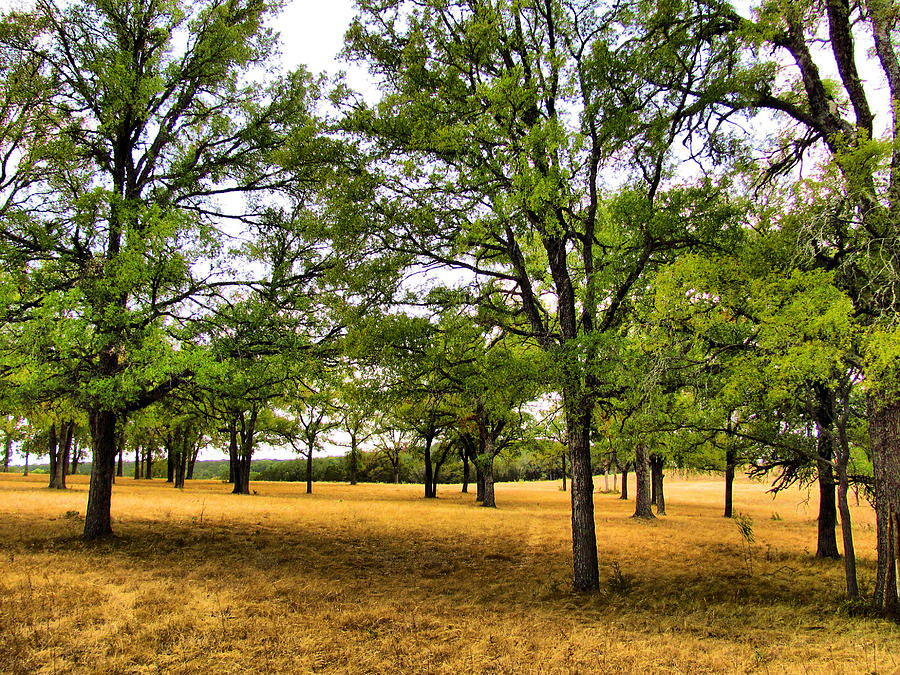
(374, 579)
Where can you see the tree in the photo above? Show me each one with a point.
(162, 126)
(779, 62)
(499, 120)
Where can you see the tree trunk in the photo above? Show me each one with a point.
(584, 536)
(465, 460)
(138, 465)
(246, 436)
(309, 458)
(657, 476)
(827, 538)
(67, 451)
(76, 457)
(396, 467)
(7, 453)
(624, 494)
(564, 473)
(884, 431)
(615, 481)
(25, 473)
(97, 523)
(53, 443)
(729, 482)
(642, 473)
(181, 457)
(847, 532)
(192, 459)
(170, 460)
(148, 468)
(429, 471)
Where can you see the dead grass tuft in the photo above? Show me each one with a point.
(374, 579)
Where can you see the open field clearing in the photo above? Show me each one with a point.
(375, 579)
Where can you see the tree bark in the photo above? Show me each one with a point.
(563, 473)
(656, 471)
(97, 521)
(827, 538)
(479, 483)
(138, 464)
(584, 537)
(729, 482)
(148, 468)
(642, 473)
(884, 431)
(624, 494)
(309, 458)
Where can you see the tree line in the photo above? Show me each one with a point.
(664, 234)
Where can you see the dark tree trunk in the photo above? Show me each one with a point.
(465, 460)
(396, 467)
(842, 459)
(67, 451)
(97, 522)
(827, 538)
(181, 457)
(242, 476)
(53, 443)
(624, 494)
(656, 474)
(170, 460)
(138, 465)
(642, 508)
(884, 430)
(245, 434)
(309, 458)
(192, 460)
(586, 576)
(7, 453)
(76, 457)
(148, 468)
(729, 482)
(25, 473)
(429, 470)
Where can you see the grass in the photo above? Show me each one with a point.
(374, 579)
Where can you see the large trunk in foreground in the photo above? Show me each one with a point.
(884, 430)
(584, 537)
(97, 523)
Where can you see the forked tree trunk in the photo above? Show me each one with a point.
(884, 430)
(642, 508)
(97, 523)
(729, 482)
(192, 460)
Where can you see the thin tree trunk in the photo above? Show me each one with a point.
(396, 467)
(353, 460)
(148, 468)
(232, 452)
(67, 451)
(7, 453)
(429, 471)
(52, 451)
(309, 458)
(25, 473)
(729, 482)
(624, 494)
(120, 443)
(466, 469)
(97, 521)
(170, 460)
(642, 473)
(76, 457)
(138, 465)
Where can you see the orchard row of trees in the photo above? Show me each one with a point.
(668, 228)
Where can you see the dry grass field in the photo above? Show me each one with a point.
(374, 579)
